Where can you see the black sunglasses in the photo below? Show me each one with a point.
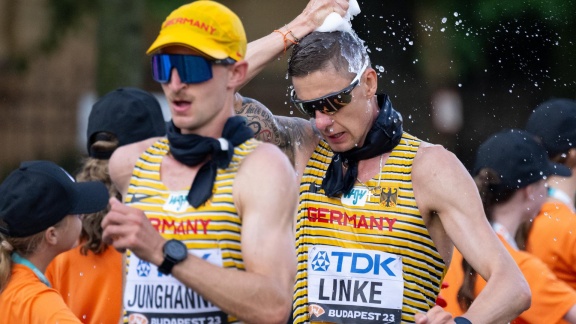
(330, 103)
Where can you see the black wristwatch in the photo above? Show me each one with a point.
(174, 253)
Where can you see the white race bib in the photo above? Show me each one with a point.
(354, 285)
(160, 298)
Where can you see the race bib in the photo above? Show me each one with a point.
(151, 297)
(354, 286)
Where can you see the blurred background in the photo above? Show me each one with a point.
(458, 71)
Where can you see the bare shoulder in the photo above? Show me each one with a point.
(265, 176)
(440, 179)
(447, 197)
(124, 159)
(433, 156)
(267, 158)
(303, 138)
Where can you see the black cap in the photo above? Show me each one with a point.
(131, 114)
(39, 194)
(518, 158)
(554, 121)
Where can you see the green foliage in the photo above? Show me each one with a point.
(486, 32)
(159, 9)
(65, 14)
(554, 11)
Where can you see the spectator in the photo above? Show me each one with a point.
(89, 277)
(552, 235)
(40, 206)
(510, 171)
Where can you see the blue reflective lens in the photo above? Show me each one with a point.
(190, 68)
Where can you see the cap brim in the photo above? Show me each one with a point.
(91, 197)
(558, 169)
(209, 48)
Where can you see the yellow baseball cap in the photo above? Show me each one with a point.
(206, 26)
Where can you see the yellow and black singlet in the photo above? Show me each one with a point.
(365, 257)
(211, 232)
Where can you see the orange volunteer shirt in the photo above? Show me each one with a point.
(551, 298)
(27, 300)
(91, 285)
(553, 240)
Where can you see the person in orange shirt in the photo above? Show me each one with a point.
(510, 171)
(39, 208)
(89, 277)
(552, 236)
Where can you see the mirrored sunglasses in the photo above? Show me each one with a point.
(191, 68)
(330, 103)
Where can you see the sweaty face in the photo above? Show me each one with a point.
(194, 107)
(347, 127)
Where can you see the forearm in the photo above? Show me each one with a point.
(266, 49)
(251, 297)
(504, 298)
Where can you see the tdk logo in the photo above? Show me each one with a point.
(143, 268)
(321, 262)
(372, 263)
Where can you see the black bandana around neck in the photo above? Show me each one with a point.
(384, 135)
(192, 149)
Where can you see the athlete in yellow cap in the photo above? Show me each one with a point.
(208, 219)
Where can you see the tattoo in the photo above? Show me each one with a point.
(288, 133)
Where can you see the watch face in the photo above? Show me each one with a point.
(175, 249)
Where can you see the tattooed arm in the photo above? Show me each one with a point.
(294, 136)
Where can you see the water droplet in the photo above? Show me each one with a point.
(444, 20)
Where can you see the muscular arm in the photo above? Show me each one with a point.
(262, 51)
(265, 194)
(294, 136)
(450, 204)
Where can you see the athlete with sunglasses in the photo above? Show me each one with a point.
(380, 210)
(208, 219)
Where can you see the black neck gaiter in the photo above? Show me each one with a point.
(192, 149)
(384, 135)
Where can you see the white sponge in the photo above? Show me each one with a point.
(334, 21)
